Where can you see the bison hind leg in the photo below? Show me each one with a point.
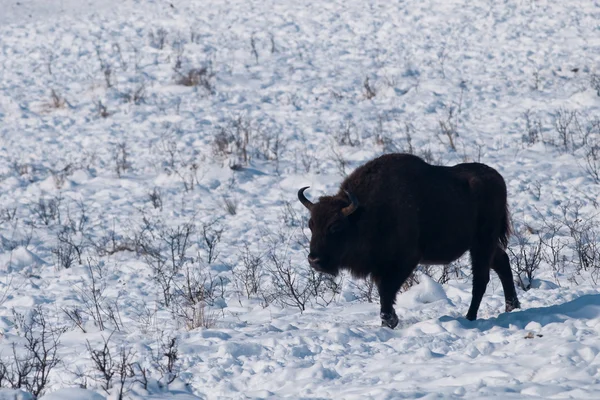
(480, 260)
(512, 304)
(501, 264)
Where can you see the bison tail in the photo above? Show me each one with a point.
(506, 228)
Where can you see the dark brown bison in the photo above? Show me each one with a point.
(397, 211)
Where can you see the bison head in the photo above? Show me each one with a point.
(331, 230)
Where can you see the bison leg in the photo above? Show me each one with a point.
(480, 259)
(501, 265)
(389, 319)
(388, 287)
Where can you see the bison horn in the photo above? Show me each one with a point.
(353, 204)
(305, 202)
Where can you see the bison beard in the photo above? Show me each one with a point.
(397, 211)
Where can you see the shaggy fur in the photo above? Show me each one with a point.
(409, 213)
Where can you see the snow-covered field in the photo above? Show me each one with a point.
(150, 154)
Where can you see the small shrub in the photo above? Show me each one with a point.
(230, 204)
(592, 162)
(366, 290)
(341, 162)
(535, 188)
(554, 246)
(564, 121)
(221, 142)
(195, 291)
(289, 216)
(347, 134)
(595, 83)
(450, 271)
(271, 145)
(290, 289)
(136, 95)
(22, 168)
(57, 100)
(155, 198)
(449, 128)
(104, 364)
(533, 128)
(60, 176)
(195, 315)
(102, 110)
(297, 286)
(158, 38)
(308, 159)
(253, 49)
(94, 302)
(30, 364)
(211, 238)
(384, 137)
(47, 210)
(166, 359)
(248, 276)
(202, 77)
(537, 81)
(164, 251)
(8, 214)
(526, 259)
(120, 157)
(368, 90)
(413, 278)
(586, 239)
(108, 366)
(449, 125)
(188, 172)
(65, 255)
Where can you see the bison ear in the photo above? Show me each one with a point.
(346, 211)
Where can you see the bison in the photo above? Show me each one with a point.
(397, 211)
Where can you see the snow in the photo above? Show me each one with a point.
(9, 394)
(20, 258)
(427, 291)
(84, 394)
(291, 73)
(73, 394)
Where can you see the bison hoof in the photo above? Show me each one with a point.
(471, 317)
(511, 305)
(389, 319)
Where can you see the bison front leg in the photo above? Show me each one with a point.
(388, 288)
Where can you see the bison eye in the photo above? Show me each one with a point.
(335, 227)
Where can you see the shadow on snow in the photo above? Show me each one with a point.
(584, 307)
